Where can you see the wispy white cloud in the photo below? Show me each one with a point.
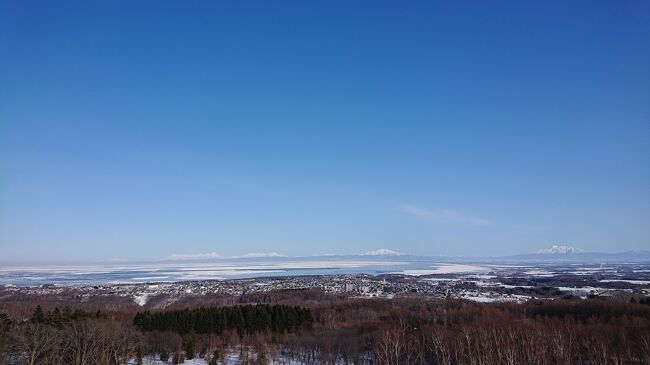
(443, 216)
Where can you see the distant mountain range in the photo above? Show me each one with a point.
(559, 249)
(382, 252)
(568, 253)
(554, 253)
(559, 253)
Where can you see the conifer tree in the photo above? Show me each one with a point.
(38, 316)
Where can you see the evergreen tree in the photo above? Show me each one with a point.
(189, 349)
(138, 356)
(5, 322)
(38, 316)
(247, 319)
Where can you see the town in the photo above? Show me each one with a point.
(501, 284)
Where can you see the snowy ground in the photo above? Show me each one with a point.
(638, 282)
(446, 269)
(231, 359)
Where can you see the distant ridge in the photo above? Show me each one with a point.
(554, 253)
(569, 253)
(260, 254)
(215, 255)
(382, 252)
(559, 249)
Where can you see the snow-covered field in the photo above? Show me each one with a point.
(483, 297)
(446, 269)
(638, 282)
(231, 358)
(539, 273)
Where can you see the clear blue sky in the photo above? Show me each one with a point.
(133, 129)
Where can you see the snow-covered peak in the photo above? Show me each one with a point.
(560, 249)
(382, 252)
(262, 254)
(214, 255)
(193, 256)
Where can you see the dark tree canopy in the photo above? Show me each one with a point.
(58, 318)
(244, 318)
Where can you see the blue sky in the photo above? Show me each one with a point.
(135, 129)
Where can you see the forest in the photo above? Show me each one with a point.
(345, 331)
(247, 319)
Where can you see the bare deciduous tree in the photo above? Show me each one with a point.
(36, 343)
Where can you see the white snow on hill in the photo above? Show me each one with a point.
(262, 254)
(560, 249)
(193, 256)
(382, 252)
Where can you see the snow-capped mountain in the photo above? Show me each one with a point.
(382, 252)
(261, 254)
(560, 249)
(215, 255)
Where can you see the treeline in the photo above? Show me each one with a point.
(365, 332)
(603, 311)
(418, 332)
(75, 340)
(590, 332)
(58, 318)
(246, 319)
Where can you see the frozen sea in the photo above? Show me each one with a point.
(224, 269)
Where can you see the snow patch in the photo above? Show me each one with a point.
(638, 282)
(539, 273)
(141, 299)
